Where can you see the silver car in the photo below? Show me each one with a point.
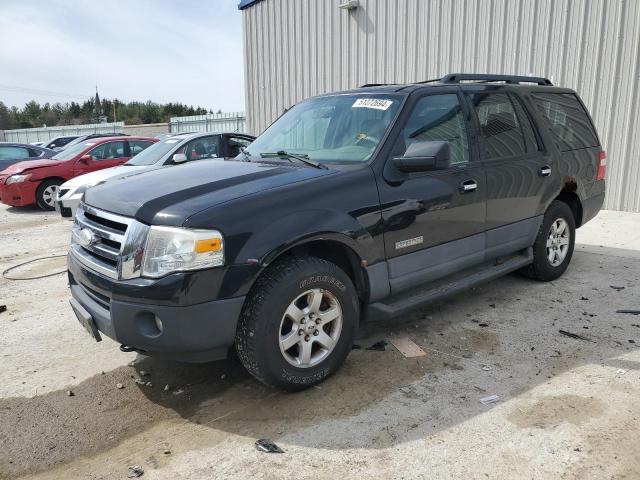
(173, 150)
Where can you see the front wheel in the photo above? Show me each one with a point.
(298, 323)
(46, 194)
(553, 248)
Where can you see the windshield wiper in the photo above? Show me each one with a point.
(301, 158)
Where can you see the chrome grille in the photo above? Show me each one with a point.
(108, 243)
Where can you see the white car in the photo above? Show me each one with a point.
(174, 150)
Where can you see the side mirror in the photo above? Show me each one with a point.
(424, 156)
(86, 158)
(179, 158)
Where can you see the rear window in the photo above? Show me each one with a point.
(569, 122)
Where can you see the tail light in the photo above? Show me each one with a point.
(602, 166)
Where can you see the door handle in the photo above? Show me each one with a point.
(468, 186)
(545, 171)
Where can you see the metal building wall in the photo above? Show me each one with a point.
(299, 48)
(212, 122)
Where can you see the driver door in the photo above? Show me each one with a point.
(433, 220)
(105, 155)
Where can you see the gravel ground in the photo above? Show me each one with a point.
(568, 407)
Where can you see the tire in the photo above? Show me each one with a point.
(44, 193)
(269, 341)
(550, 262)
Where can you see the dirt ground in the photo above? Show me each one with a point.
(568, 407)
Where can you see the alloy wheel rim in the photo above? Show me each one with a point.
(558, 242)
(310, 328)
(48, 194)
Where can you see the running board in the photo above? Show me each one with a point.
(405, 302)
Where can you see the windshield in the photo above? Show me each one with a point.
(343, 128)
(155, 152)
(72, 151)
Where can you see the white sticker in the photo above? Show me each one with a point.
(376, 103)
(171, 141)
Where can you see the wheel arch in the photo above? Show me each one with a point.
(569, 196)
(334, 249)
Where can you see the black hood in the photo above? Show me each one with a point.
(168, 196)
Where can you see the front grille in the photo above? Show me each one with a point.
(108, 243)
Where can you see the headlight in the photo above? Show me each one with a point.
(172, 249)
(18, 178)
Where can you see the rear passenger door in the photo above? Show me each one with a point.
(201, 148)
(517, 169)
(136, 146)
(235, 144)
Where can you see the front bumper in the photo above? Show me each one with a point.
(67, 201)
(19, 194)
(193, 333)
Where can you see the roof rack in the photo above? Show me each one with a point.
(481, 77)
(376, 85)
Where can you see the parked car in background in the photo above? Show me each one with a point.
(37, 144)
(82, 138)
(371, 202)
(59, 142)
(172, 150)
(11, 153)
(26, 183)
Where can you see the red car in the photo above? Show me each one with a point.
(36, 181)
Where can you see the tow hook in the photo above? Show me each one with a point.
(127, 349)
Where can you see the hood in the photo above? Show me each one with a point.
(29, 165)
(99, 176)
(168, 196)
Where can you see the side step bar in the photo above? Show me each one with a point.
(405, 302)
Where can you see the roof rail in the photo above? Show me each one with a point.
(376, 85)
(481, 77)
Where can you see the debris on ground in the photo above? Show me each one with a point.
(70, 393)
(143, 373)
(574, 335)
(621, 371)
(616, 288)
(135, 471)
(167, 387)
(267, 446)
(492, 305)
(378, 346)
(584, 298)
(632, 341)
(178, 392)
(483, 324)
(3, 308)
(119, 386)
(486, 368)
(632, 312)
(407, 347)
(489, 399)
(167, 451)
(355, 346)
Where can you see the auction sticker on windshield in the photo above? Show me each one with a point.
(376, 103)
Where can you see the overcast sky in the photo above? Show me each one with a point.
(160, 50)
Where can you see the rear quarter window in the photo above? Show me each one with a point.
(569, 122)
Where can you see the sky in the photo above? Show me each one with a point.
(187, 51)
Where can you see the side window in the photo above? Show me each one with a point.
(136, 146)
(501, 134)
(205, 147)
(235, 145)
(33, 153)
(437, 117)
(527, 127)
(13, 153)
(108, 151)
(569, 122)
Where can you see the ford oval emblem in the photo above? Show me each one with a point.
(85, 237)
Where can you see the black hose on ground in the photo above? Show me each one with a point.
(4, 273)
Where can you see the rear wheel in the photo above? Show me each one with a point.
(553, 248)
(46, 192)
(298, 323)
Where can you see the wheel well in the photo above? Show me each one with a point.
(573, 201)
(339, 254)
(62, 180)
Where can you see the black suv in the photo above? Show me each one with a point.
(368, 202)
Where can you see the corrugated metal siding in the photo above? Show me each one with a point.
(214, 122)
(28, 135)
(295, 49)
